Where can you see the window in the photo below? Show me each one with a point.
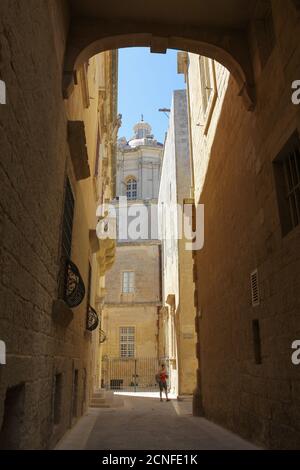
(131, 189)
(287, 180)
(255, 288)
(88, 296)
(116, 384)
(128, 282)
(12, 428)
(67, 224)
(208, 89)
(127, 341)
(66, 239)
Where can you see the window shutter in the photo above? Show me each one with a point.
(255, 289)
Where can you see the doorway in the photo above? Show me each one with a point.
(13, 419)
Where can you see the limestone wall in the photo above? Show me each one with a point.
(234, 179)
(35, 160)
(143, 260)
(177, 261)
(138, 309)
(142, 318)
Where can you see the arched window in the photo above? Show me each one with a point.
(131, 189)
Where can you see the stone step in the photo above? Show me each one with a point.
(100, 405)
(99, 394)
(103, 393)
(109, 401)
(98, 401)
(188, 398)
(117, 404)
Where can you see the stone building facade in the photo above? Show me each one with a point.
(57, 160)
(248, 291)
(130, 315)
(139, 160)
(177, 317)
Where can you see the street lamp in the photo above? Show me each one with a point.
(165, 111)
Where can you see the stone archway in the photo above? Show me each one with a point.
(228, 46)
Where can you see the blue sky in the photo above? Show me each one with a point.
(146, 83)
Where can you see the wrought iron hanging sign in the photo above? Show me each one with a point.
(74, 285)
(92, 320)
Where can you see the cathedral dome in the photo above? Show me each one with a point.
(142, 135)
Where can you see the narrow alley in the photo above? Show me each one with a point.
(146, 423)
(149, 225)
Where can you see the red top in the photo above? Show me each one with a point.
(163, 376)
